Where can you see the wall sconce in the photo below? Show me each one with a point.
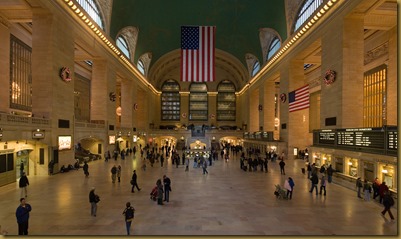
(349, 163)
(384, 171)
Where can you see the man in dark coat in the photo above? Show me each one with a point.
(167, 187)
(315, 181)
(23, 183)
(134, 182)
(22, 215)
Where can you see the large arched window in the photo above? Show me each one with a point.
(273, 48)
(170, 101)
(198, 101)
(226, 101)
(123, 46)
(93, 10)
(256, 68)
(141, 66)
(308, 8)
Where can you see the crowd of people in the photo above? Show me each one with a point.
(253, 161)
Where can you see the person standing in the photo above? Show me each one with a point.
(187, 164)
(161, 160)
(51, 166)
(315, 181)
(323, 185)
(21, 169)
(265, 162)
(375, 187)
(129, 216)
(93, 199)
(23, 184)
(119, 173)
(367, 190)
(282, 164)
(359, 186)
(167, 188)
(134, 182)
(382, 189)
(388, 202)
(159, 192)
(86, 169)
(113, 173)
(330, 172)
(22, 215)
(289, 185)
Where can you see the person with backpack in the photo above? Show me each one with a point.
(388, 202)
(129, 216)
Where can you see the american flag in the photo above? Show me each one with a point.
(197, 53)
(298, 99)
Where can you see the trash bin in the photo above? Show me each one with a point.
(303, 170)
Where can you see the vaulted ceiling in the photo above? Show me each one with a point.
(237, 23)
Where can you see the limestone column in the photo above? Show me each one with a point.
(296, 131)
(103, 83)
(392, 81)
(253, 110)
(126, 103)
(269, 92)
(4, 65)
(53, 97)
(184, 104)
(212, 107)
(342, 51)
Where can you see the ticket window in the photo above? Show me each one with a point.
(326, 160)
(368, 172)
(353, 167)
(388, 175)
(339, 165)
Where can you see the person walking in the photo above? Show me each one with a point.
(23, 184)
(204, 166)
(265, 162)
(134, 182)
(119, 173)
(367, 189)
(309, 169)
(93, 200)
(129, 216)
(113, 173)
(323, 185)
(289, 185)
(21, 168)
(315, 181)
(388, 202)
(86, 169)
(167, 188)
(22, 215)
(282, 164)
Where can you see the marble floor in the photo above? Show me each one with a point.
(227, 201)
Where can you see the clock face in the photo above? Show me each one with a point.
(283, 97)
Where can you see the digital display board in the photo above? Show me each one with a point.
(392, 140)
(327, 137)
(361, 137)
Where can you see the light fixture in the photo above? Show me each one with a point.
(384, 171)
(349, 163)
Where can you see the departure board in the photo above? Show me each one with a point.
(327, 137)
(361, 137)
(392, 140)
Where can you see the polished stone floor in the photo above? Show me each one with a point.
(227, 201)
